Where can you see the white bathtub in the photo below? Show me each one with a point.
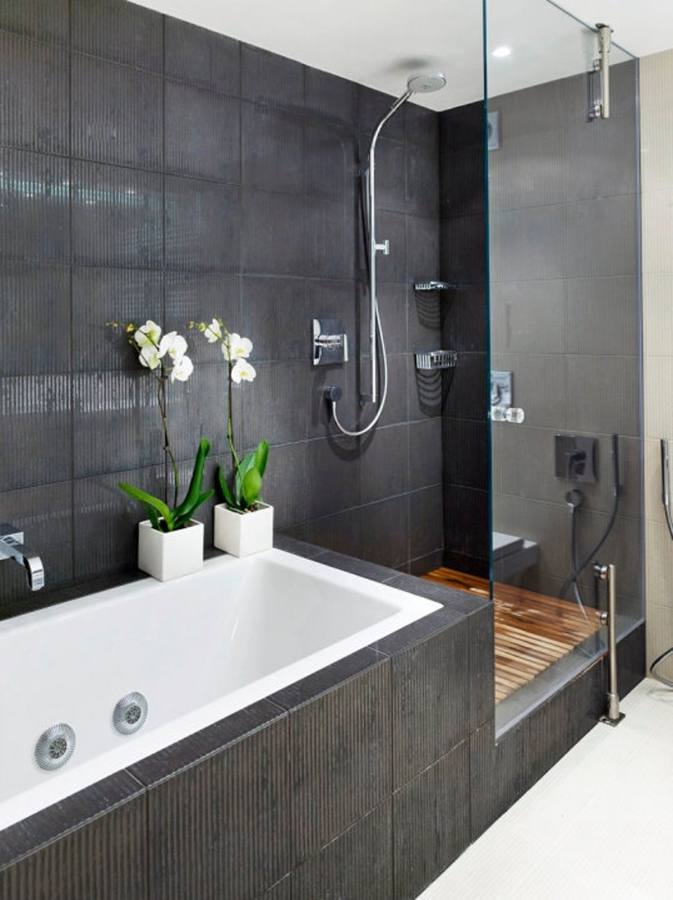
(198, 648)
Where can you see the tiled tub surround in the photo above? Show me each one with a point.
(151, 168)
(199, 649)
(363, 780)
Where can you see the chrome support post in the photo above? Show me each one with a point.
(608, 574)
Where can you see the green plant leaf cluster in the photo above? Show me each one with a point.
(246, 486)
(161, 515)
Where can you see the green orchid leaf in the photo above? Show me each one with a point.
(153, 516)
(252, 485)
(185, 516)
(146, 499)
(242, 470)
(261, 457)
(227, 496)
(196, 484)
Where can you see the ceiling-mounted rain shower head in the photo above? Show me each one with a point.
(427, 83)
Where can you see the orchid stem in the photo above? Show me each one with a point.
(168, 451)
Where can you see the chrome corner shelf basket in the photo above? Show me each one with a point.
(430, 360)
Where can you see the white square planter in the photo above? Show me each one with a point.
(171, 554)
(243, 533)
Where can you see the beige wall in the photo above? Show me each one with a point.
(657, 185)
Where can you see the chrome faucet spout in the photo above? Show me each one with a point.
(12, 547)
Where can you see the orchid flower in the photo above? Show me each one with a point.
(242, 371)
(173, 344)
(147, 334)
(236, 347)
(182, 368)
(213, 332)
(150, 356)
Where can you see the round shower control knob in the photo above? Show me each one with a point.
(130, 713)
(55, 746)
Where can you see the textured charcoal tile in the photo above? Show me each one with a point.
(423, 251)
(285, 484)
(397, 408)
(107, 295)
(34, 95)
(385, 532)
(430, 700)
(281, 404)
(390, 172)
(202, 225)
(105, 521)
(498, 774)
(465, 449)
(330, 238)
(466, 521)
(427, 391)
(299, 548)
(324, 680)
(531, 243)
(282, 890)
(335, 299)
(339, 758)
(270, 78)
(424, 564)
(116, 113)
(330, 168)
(332, 97)
(236, 802)
(602, 315)
(393, 312)
(462, 126)
(602, 161)
(53, 822)
(273, 233)
(466, 323)
(114, 29)
(361, 567)
(422, 190)
(203, 133)
(275, 315)
(466, 387)
(44, 21)
(602, 236)
(192, 297)
(36, 414)
(116, 216)
(482, 662)
(105, 857)
(419, 631)
(383, 469)
(529, 170)
(425, 453)
(425, 316)
(532, 316)
(197, 408)
(431, 822)
(340, 532)
(358, 863)
(462, 253)
(44, 514)
(116, 422)
(32, 293)
(337, 467)
(202, 57)
(34, 201)
(460, 602)
(631, 660)
(272, 148)
(422, 126)
(462, 182)
(426, 530)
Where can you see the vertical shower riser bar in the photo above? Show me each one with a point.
(608, 574)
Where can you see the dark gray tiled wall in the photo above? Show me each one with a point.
(155, 169)
(464, 320)
(565, 317)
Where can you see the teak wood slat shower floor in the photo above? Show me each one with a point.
(532, 631)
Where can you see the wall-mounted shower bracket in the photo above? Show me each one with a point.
(330, 342)
(599, 78)
(383, 247)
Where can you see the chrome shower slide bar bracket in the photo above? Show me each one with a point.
(608, 574)
(599, 102)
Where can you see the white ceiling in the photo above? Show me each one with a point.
(380, 42)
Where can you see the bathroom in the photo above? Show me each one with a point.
(335, 386)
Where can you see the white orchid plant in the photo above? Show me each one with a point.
(242, 493)
(165, 357)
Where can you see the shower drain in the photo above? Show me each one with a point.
(130, 713)
(55, 746)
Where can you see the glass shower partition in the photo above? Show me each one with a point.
(565, 344)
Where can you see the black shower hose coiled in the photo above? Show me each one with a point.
(577, 570)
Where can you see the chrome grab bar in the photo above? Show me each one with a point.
(609, 575)
(666, 482)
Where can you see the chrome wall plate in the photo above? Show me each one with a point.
(493, 126)
(330, 342)
(501, 389)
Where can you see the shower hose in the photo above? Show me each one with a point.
(578, 567)
(666, 499)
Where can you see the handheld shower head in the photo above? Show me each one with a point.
(426, 83)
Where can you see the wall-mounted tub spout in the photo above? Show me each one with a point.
(12, 547)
